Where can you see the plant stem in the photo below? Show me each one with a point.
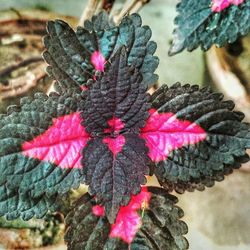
(89, 11)
(130, 7)
(22, 84)
(23, 63)
(138, 6)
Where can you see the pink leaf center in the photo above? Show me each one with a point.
(115, 144)
(61, 143)
(115, 125)
(164, 133)
(83, 88)
(115, 141)
(128, 220)
(98, 60)
(219, 5)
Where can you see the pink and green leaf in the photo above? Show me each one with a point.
(39, 155)
(211, 139)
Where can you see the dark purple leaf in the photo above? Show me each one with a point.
(113, 176)
(152, 214)
(117, 94)
(116, 159)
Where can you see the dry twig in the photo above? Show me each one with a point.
(89, 11)
(22, 84)
(130, 6)
(9, 69)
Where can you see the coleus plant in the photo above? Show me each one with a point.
(207, 22)
(100, 127)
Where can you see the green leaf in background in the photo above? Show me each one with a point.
(197, 25)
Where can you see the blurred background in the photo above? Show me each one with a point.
(218, 218)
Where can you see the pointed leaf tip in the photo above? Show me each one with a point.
(73, 57)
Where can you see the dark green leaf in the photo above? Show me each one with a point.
(69, 53)
(14, 205)
(197, 25)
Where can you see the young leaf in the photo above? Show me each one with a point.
(118, 93)
(116, 159)
(209, 22)
(40, 144)
(194, 137)
(150, 221)
(75, 56)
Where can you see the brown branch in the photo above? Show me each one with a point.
(16, 12)
(22, 84)
(31, 26)
(124, 10)
(138, 6)
(9, 69)
(130, 6)
(89, 11)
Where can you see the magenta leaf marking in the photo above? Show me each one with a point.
(115, 125)
(83, 88)
(61, 144)
(98, 210)
(98, 60)
(128, 220)
(164, 133)
(219, 5)
(115, 142)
